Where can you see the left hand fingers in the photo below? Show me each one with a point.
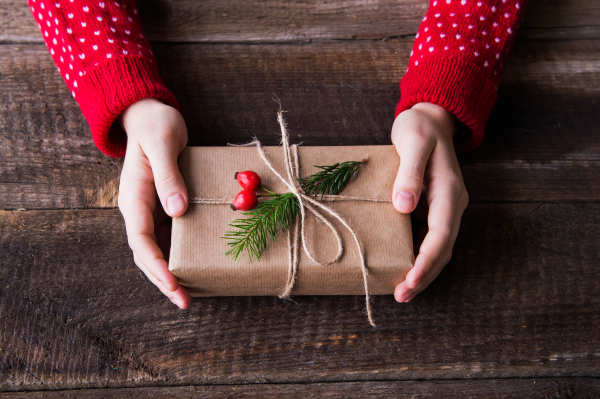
(435, 253)
(448, 199)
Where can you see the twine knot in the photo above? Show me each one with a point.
(306, 202)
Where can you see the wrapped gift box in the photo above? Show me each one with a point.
(197, 249)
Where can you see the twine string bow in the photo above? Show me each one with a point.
(305, 203)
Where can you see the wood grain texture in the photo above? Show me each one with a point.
(276, 21)
(521, 298)
(559, 388)
(47, 157)
(561, 20)
(541, 145)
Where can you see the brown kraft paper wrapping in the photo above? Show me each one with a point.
(197, 249)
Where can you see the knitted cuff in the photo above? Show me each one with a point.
(456, 85)
(109, 88)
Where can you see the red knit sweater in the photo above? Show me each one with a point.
(105, 60)
(459, 53)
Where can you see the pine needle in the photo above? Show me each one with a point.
(266, 220)
(331, 180)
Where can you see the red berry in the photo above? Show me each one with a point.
(245, 200)
(248, 180)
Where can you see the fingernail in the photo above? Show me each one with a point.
(409, 296)
(175, 203)
(177, 302)
(405, 200)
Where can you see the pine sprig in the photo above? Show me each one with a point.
(269, 216)
(331, 180)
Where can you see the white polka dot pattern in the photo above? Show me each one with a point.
(479, 31)
(92, 31)
(457, 60)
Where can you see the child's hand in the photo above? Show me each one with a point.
(156, 134)
(423, 137)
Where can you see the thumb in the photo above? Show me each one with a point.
(167, 178)
(414, 151)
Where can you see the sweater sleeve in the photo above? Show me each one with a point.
(458, 56)
(105, 60)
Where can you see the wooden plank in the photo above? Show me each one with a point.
(536, 145)
(561, 20)
(521, 298)
(541, 145)
(560, 388)
(232, 21)
(47, 157)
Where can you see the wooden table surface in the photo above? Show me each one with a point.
(516, 313)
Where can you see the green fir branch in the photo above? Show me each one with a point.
(331, 180)
(269, 216)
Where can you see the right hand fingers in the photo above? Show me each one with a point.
(159, 133)
(180, 297)
(170, 186)
(137, 199)
(414, 149)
